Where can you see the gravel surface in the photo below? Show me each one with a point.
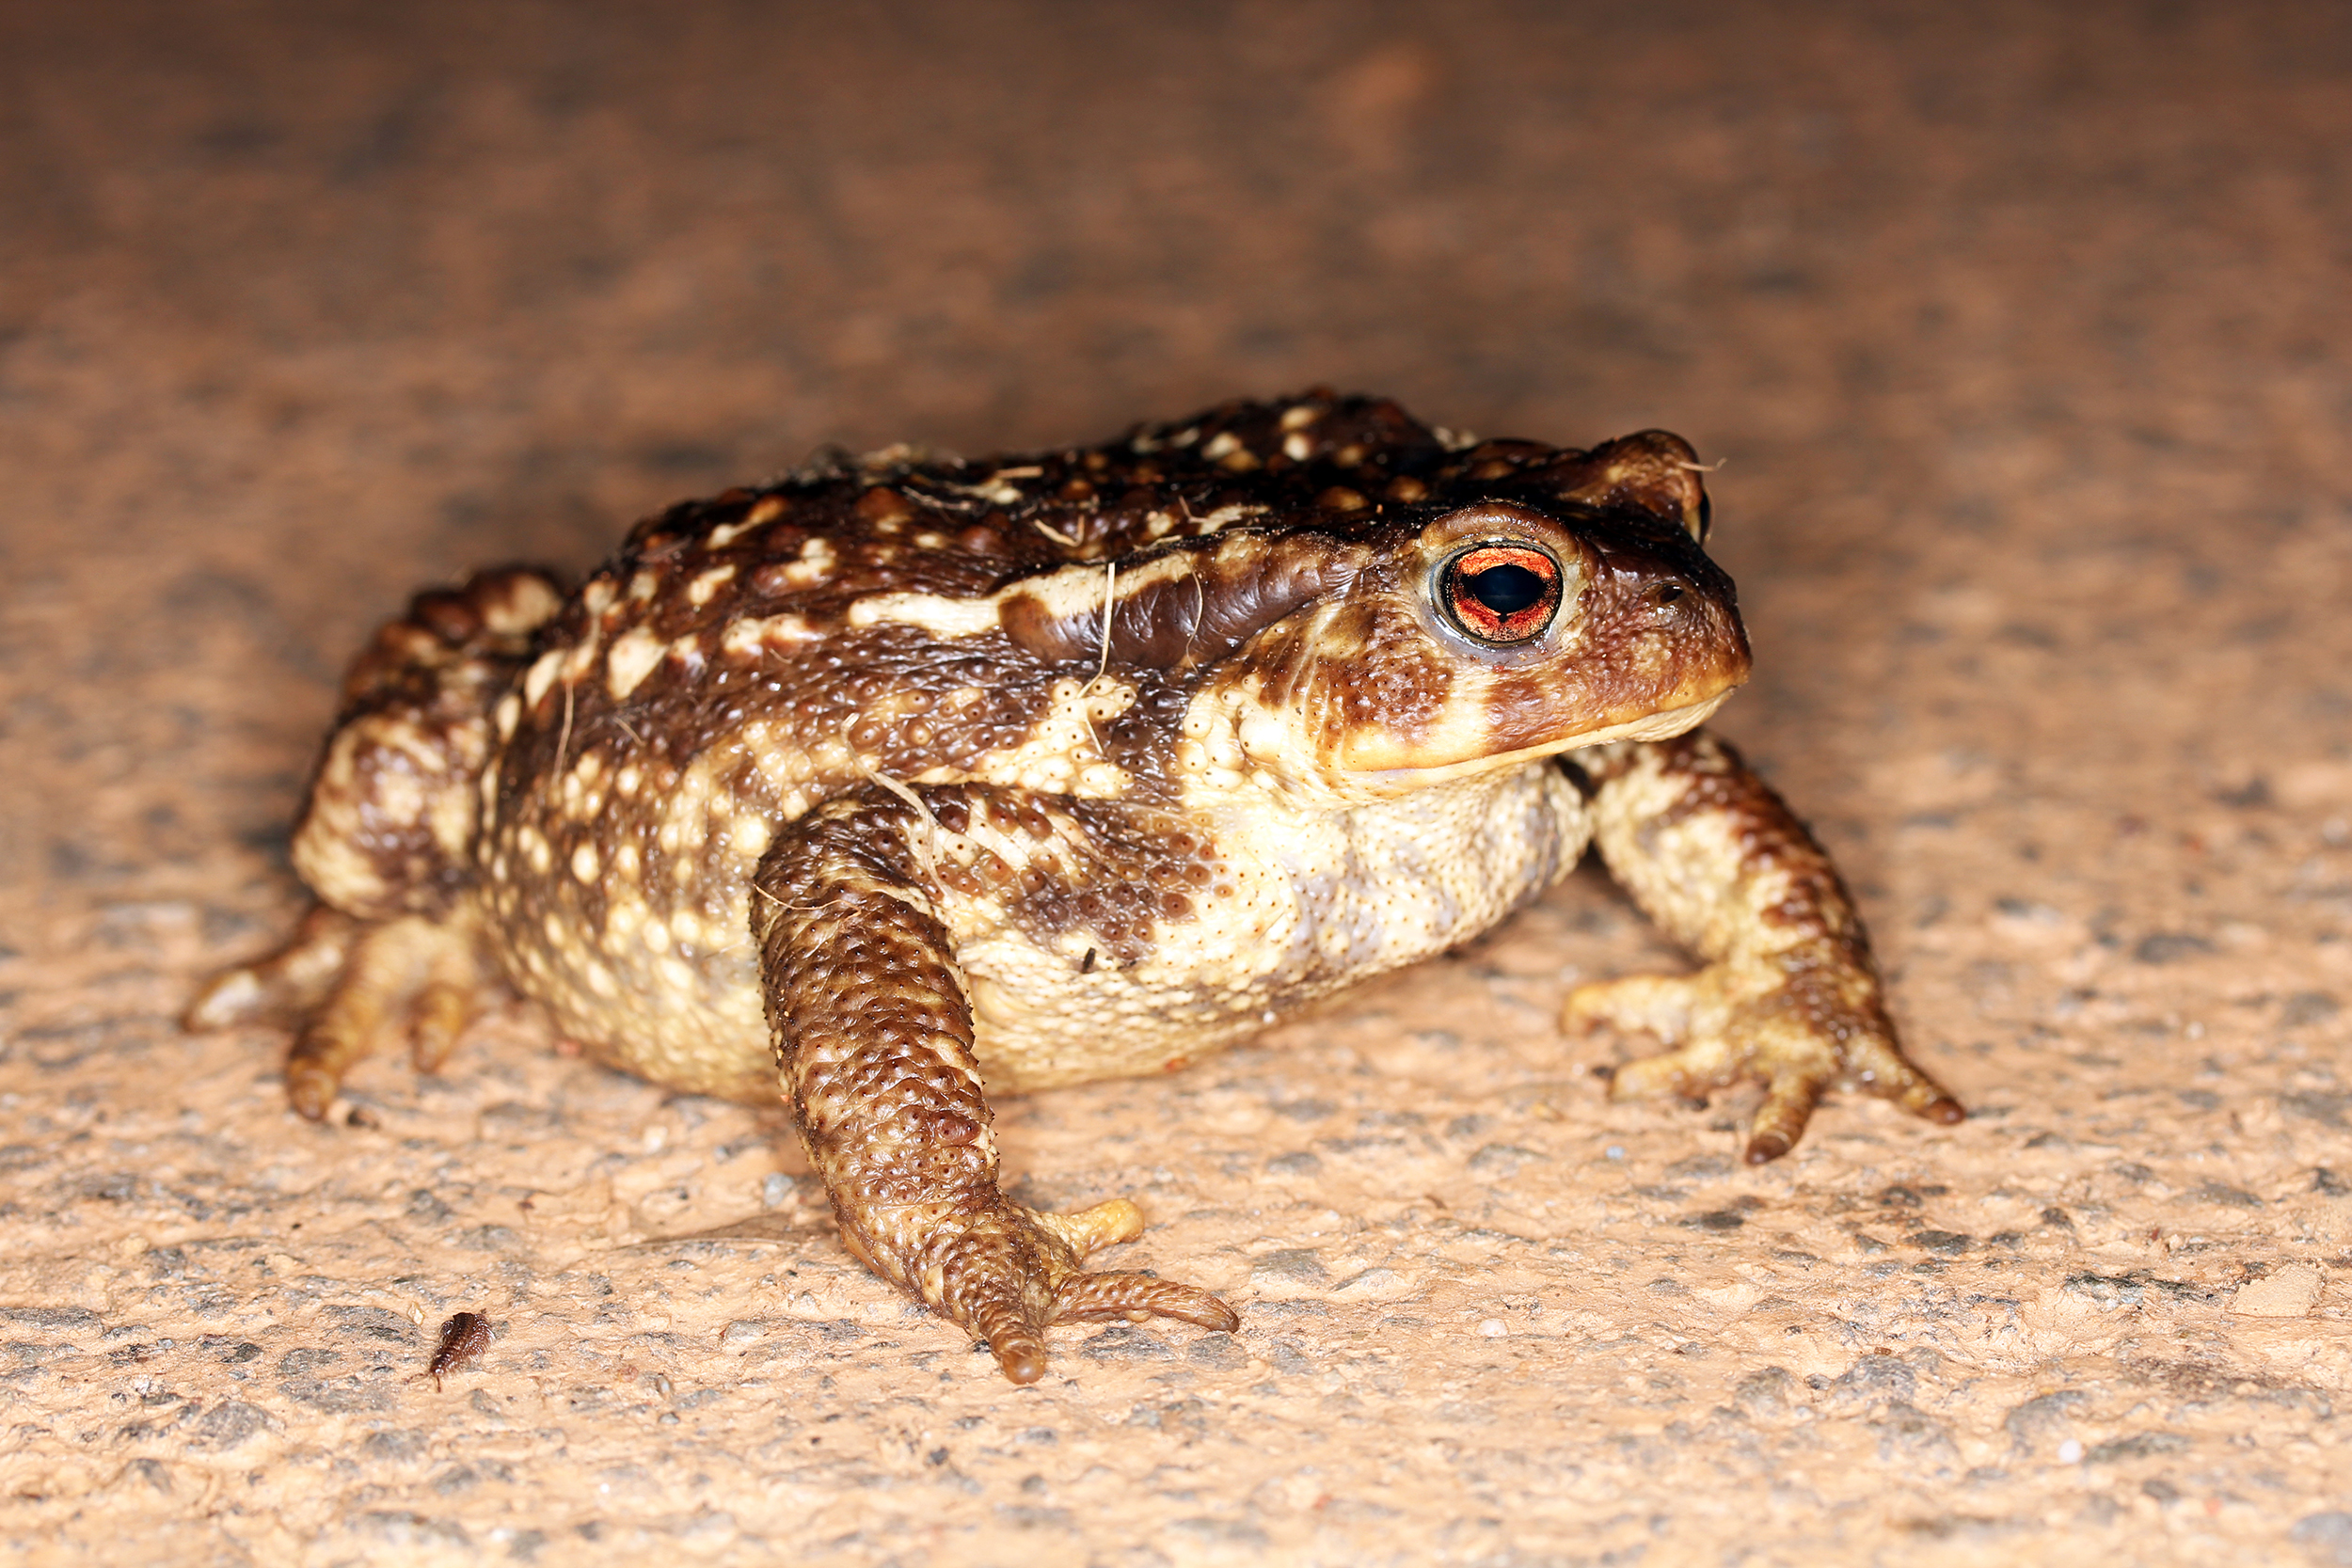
(2019, 331)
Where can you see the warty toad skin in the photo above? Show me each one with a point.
(908, 779)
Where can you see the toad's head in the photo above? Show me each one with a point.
(1561, 603)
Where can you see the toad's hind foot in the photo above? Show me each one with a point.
(1009, 1273)
(345, 984)
(1732, 1022)
(872, 1021)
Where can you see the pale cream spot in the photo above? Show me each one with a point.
(727, 533)
(1297, 448)
(1225, 516)
(399, 796)
(997, 486)
(507, 714)
(633, 657)
(540, 677)
(1298, 416)
(527, 603)
(600, 980)
(534, 845)
(655, 935)
(766, 510)
(936, 613)
(813, 566)
(624, 919)
(706, 584)
(749, 638)
(1222, 445)
(1060, 753)
(577, 662)
(598, 596)
(452, 820)
(751, 836)
(785, 766)
(584, 867)
(643, 586)
(929, 540)
(626, 863)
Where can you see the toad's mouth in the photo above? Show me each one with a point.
(1661, 725)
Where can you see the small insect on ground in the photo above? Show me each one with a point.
(466, 1335)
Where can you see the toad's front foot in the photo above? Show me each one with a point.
(1798, 1028)
(1790, 998)
(1007, 1273)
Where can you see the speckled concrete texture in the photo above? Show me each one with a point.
(2019, 331)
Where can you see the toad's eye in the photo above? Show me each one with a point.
(1500, 593)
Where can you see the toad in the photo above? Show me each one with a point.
(908, 781)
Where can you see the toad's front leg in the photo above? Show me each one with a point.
(872, 1026)
(1788, 997)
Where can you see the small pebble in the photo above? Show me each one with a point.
(2070, 1452)
(1494, 1328)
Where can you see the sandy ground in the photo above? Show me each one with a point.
(2020, 336)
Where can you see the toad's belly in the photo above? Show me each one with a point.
(1310, 903)
(1317, 902)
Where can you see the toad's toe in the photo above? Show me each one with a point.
(1734, 1022)
(1016, 1272)
(283, 986)
(346, 983)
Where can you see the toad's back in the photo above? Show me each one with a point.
(1121, 902)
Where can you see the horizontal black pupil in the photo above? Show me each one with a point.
(1506, 589)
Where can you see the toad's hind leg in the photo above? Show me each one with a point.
(414, 974)
(387, 840)
(282, 987)
(872, 1026)
(345, 984)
